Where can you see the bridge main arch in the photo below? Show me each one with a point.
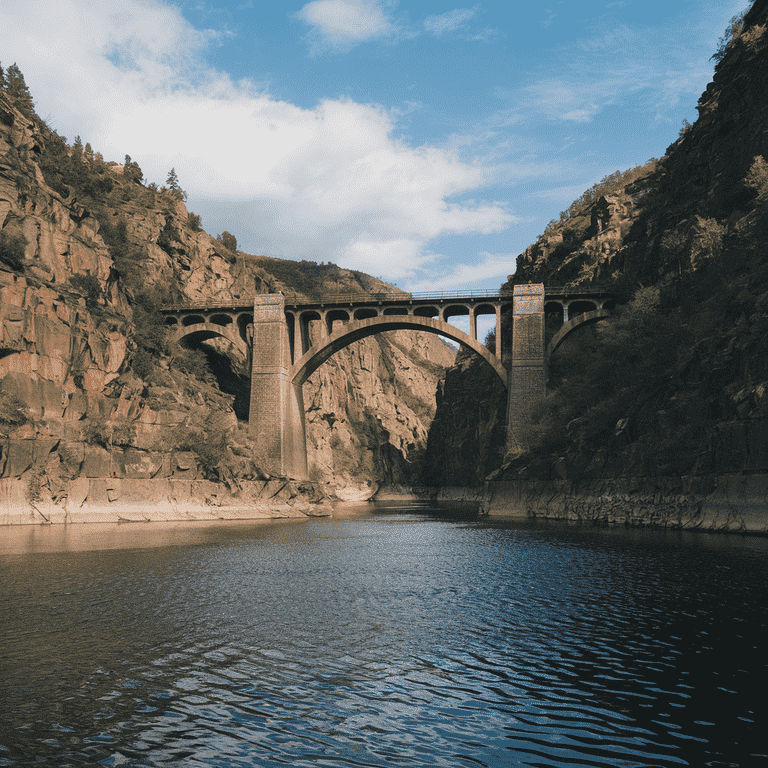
(360, 329)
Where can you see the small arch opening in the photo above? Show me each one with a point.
(580, 307)
(364, 313)
(455, 310)
(221, 319)
(307, 327)
(554, 310)
(426, 312)
(395, 311)
(334, 318)
(243, 321)
(192, 320)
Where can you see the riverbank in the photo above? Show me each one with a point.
(729, 503)
(116, 500)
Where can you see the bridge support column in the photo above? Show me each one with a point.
(498, 346)
(527, 374)
(276, 422)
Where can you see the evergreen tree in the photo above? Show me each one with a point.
(173, 181)
(228, 240)
(131, 170)
(18, 93)
(2, 76)
(173, 185)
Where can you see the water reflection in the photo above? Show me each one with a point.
(406, 636)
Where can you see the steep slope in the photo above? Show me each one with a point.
(675, 385)
(90, 388)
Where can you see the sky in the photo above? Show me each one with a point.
(426, 143)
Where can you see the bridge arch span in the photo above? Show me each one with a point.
(360, 329)
(205, 331)
(587, 318)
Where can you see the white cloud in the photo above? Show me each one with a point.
(580, 100)
(327, 183)
(341, 24)
(492, 267)
(676, 83)
(450, 21)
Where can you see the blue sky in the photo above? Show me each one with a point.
(427, 143)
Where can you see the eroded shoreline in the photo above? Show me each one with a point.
(724, 503)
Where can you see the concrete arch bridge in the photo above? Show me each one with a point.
(274, 333)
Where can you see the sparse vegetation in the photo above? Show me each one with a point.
(757, 180)
(228, 240)
(89, 286)
(13, 411)
(98, 431)
(732, 33)
(12, 249)
(609, 184)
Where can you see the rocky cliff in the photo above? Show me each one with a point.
(674, 385)
(95, 405)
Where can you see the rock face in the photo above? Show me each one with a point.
(466, 439)
(675, 386)
(88, 390)
(374, 427)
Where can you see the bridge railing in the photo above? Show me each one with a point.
(565, 290)
(374, 296)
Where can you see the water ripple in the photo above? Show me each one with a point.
(393, 639)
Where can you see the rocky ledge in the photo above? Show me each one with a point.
(125, 500)
(728, 503)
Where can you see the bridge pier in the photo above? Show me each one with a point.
(276, 422)
(527, 372)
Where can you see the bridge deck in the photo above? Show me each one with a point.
(295, 301)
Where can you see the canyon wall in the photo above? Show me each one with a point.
(672, 391)
(99, 415)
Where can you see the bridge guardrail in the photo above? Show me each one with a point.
(362, 297)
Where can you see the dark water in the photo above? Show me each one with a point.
(401, 637)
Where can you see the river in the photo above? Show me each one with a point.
(398, 634)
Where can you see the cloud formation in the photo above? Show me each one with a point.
(342, 24)
(450, 21)
(330, 182)
(493, 267)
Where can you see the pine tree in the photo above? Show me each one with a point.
(173, 185)
(131, 170)
(18, 93)
(2, 76)
(173, 180)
